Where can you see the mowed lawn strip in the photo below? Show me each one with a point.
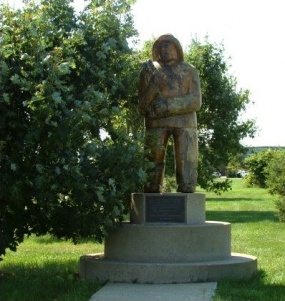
(256, 231)
(46, 269)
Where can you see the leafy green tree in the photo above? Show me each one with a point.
(256, 165)
(130, 120)
(275, 180)
(220, 125)
(235, 164)
(62, 81)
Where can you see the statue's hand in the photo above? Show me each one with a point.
(160, 107)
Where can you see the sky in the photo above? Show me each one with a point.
(252, 32)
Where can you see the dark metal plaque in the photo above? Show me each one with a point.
(164, 209)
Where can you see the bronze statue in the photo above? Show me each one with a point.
(169, 96)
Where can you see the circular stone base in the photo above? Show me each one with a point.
(96, 267)
(209, 241)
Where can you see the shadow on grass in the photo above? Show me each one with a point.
(50, 239)
(242, 216)
(255, 289)
(232, 199)
(52, 281)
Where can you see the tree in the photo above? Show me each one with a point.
(63, 80)
(256, 165)
(220, 127)
(275, 180)
(236, 163)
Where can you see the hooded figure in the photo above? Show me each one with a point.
(168, 38)
(169, 95)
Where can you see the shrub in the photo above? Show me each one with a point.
(256, 165)
(275, 180)
(62, 81)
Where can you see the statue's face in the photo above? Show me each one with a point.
(168, 52)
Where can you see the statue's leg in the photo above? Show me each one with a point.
(186, 159)
(156, 143)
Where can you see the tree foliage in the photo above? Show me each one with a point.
(275, 171)
(63, 79)
(275, 180)
(256, 165)
(220, 125)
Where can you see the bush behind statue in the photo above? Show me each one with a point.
(62, 80)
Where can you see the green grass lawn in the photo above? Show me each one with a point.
(46, 269)
(256, 231)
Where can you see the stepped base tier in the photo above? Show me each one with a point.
(96, 267)
(168, 241)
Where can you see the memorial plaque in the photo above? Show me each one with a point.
(165, 209)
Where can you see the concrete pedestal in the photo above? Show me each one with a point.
(95, 266)
(168, 243)
(167, 207)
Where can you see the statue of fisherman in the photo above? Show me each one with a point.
(169, 95)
